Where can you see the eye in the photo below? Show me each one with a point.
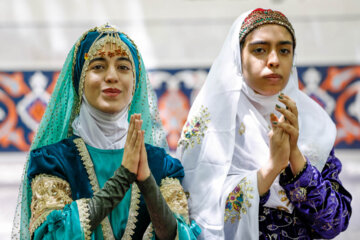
(97, 66)
(123, 67)
(258, 50)
(285, 51)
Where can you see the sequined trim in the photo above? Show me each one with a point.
(48, 193)
(175, 197)
(294, 178)
(194, 130)
(149, 233)
(89, 166)
(133, 213)
(238, 201)
(84, 215)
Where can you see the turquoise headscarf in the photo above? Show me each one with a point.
(64, 106)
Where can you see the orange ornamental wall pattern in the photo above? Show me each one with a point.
(24, 96)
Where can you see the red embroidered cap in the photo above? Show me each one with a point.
(262, 16)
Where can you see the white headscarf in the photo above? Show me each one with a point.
(225, 142)
(101, 130)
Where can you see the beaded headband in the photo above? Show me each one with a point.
(260, 17)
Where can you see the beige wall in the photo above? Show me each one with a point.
(37, 34)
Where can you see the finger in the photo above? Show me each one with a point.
(131, 128)
(138, 116)
(143, 140)
(138, 141)
(289, 103)
(133, 137)
(288, 115)
(137, 125)
(274, 120)
(140, 124)
(289, 129)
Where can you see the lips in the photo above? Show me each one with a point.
(112, 92)
(273, 77)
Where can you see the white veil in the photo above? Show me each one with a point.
(210, 135)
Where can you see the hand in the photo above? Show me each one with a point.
(143, 170)
(133, 142)
(279, 145)
(291, 126)
(279, 155)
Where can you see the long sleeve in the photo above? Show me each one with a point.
(319, 198)
(57, 213)
(104, 201)
(161, 216)
(167, 173)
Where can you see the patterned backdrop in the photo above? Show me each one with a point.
(24, 95)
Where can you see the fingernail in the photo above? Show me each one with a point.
(277, 106)
(281, 97)
(274, 122)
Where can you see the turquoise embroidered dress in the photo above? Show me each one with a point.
(62, 172)
(60, 161)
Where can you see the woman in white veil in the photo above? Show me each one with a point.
(257, 152)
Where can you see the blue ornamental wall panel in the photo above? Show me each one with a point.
(24, 95)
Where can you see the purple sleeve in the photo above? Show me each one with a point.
(319, 198)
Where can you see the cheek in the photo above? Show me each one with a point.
(91, 85)
(130, 84)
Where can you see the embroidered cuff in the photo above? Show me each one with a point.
(48, 193)
(297, 187)
(265, 197)
(175, 197)
(287, 177)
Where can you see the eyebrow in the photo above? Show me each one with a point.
(124, 59)
(265, 42)
(103, 59)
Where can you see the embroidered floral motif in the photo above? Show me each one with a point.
(285, 199)
(238, 201)
(194, 130)
(298, 194)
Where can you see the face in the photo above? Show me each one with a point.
(109, 82)
(267, 57)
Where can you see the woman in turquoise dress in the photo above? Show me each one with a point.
(98, 168)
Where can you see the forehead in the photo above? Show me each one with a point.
(269, 33)
(113, 49)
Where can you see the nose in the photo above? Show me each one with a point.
(111, 75)
(273, 60)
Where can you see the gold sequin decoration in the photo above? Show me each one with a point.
(48, 193)
(242, 129)
(175, 197)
